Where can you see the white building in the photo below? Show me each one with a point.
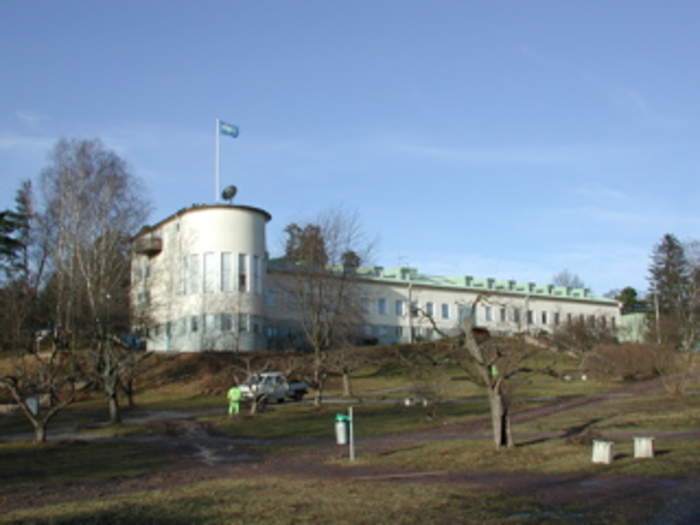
(201, 278)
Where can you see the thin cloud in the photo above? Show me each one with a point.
(30, 118)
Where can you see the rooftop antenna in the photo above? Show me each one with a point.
(229, 193)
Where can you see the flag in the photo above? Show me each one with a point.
(228, 129)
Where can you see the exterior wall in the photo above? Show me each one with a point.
(633, 328)
(384, 303)
(497, 311)
(186, 280)
(204, 288)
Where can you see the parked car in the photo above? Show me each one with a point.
(273, 386)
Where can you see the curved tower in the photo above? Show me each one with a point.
(198, 279)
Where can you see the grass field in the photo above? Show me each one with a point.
(135, 451)
(273, 501)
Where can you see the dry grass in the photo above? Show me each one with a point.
(274, 501)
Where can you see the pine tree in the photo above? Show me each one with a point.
(669, 275)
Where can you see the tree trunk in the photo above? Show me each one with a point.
(500, 419)
(39, 432)
(114, 412)
(128, 388)
(347, 387)
(318, 382)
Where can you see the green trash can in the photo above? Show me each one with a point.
(342, 422)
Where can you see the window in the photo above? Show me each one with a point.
(194, 323)
(399, 331)
(529, 317)
(516, 315)
(429, 309)
(414, 308)
(242, 272)
(381, 306)
(544, 317)
(182, 285)
(488, 314)
(569, 318)
(225, 322)
(257, 287)
(226, 284)
(398, 307)
(209, 322)
(612, 322)
(445, 310)
(243, 323)
(209, 273)
(364, 304)
(503, 314)
(556, 318)
(195, 275)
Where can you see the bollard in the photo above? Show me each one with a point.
(644, 447)
(602, 451)
(341, 429)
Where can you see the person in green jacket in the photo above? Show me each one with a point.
(234, 400)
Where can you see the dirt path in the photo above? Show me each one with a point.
(203, 453)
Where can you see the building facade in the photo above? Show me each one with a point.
(201, 280)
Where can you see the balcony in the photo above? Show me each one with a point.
(148, 246)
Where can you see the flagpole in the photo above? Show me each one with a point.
(217, 162)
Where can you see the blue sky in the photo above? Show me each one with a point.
(494, 139)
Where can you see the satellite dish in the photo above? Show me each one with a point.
(229, 193)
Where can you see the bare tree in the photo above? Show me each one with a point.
(92, 207)
(491, 363)
(569, 279)
(43, 384)
(318, 275)
(578, 338)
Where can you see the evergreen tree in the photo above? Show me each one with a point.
(669, 275)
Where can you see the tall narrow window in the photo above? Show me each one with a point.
(194, 323)
(242, 272)
(209, 273)
(381, 306)
(529, 317)
(364, 304)
(544, 317)
(503, 314)
(445, 310)
(516, 315)
(429, 308)
(556, 318)
(182, 277)
(226, 282)
(195, 273)
(256, 274)
(398, 307)
(243, 323)
(488, 314)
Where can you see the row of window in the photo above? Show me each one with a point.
(220, 272)
(400, 307)
(221, 322)
(486, 313)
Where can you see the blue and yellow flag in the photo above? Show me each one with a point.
(228, 129)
